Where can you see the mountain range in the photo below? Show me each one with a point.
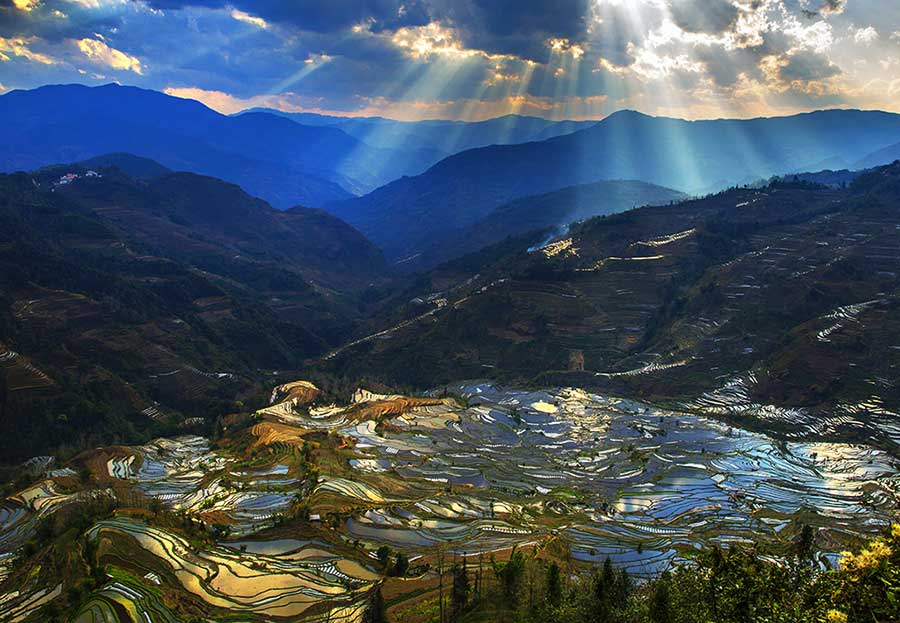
(443, 137)
(133, 297)
(284, 162)
(689, 156)
(132, 285)
(421, 217)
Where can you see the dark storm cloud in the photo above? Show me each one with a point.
(324, 16)
(833, 6)
(43, 23)
(704, 16)
(516, 27)
(807, 66)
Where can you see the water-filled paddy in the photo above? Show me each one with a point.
(496, 468)
(616, 476)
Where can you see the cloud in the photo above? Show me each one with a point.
(249, 19)
(514, 27)
(25, 5)
(818, 36)
(432, 39)
(704, 16)
(865, 36)
(322, 16)
(100, 53)
(503, 27)
(467, 57)
(226, 103)
(833, 7)
(804, 72)
(21, 47)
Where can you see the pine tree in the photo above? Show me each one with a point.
(459, 595)
(376, 612)
(554, 585)
(401, 565)
(661, 601)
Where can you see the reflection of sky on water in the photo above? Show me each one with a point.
(631, 474)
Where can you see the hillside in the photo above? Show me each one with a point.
(133, 166)
(284, 162)
(774, 306)
(127, 306)
(691, 156)
(880, 157)
(552, 212)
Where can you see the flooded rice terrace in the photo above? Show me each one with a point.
(617, 477)
(490, 468)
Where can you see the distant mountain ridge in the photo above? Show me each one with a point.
(284, 162)
(880, 157)
(689, 156)
(442, 137)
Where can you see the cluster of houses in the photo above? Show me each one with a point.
(68, 178)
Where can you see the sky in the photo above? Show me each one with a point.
(469, 59)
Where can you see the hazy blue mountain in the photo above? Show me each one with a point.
(691, 156)
(284, 162)
(442, 137)
(883, 156)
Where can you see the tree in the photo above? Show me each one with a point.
(459, 595)
(611, 592)
(401, 565)
(384, 556)
(510, 574)
(554, 585)
(440, 563)
(661, 601)
(155, 505)
(376, 611)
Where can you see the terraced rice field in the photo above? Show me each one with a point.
(134, 598)
(864, 418)
(184, 474)
(21, 514)
(617, 477)
(20, 373)
(477, 474)
(308, 580)
(17, 605)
